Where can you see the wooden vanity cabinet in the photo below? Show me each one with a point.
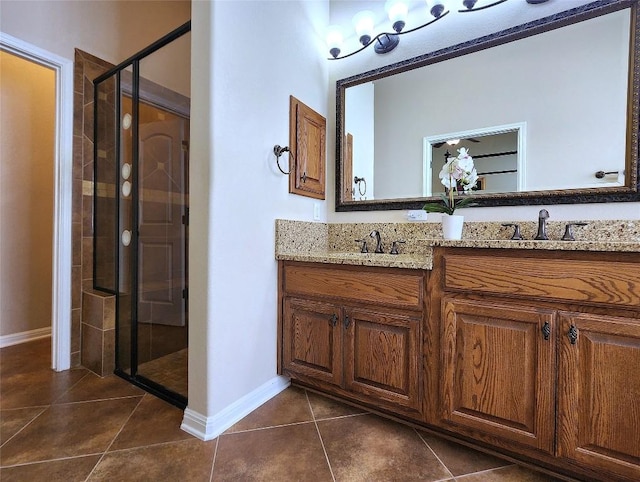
(355, 332)
(540, 355)
(599, 392)
(498, 370)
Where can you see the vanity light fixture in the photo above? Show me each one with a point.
(470, 5)
(397, 10)
(364, 23)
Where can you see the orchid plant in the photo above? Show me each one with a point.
(457, 173)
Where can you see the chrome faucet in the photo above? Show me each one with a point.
(376, 235)
(543, 215)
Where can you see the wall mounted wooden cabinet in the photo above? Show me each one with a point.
(307, 143)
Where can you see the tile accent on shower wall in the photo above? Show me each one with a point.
(86, 68)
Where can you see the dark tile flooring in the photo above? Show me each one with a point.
(76, 426)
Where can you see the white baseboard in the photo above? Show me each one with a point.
(208, 428)
(24, 336)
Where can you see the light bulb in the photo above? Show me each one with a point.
(334, 40)
(437, 7)
(364, 23)
(397, 11)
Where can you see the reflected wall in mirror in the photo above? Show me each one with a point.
(572, 87)
(498, 154)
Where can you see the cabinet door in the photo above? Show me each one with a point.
(498, 370)
(312, 340)
(307, 133)
(599, 392)
(382, 357)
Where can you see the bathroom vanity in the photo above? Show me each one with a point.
(530, 353)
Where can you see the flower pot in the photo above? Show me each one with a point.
(452, 226)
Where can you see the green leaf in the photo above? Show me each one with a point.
(446, 207)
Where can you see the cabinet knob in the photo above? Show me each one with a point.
(573, 334)
(347, 321)
(546, 330)
(333, 321)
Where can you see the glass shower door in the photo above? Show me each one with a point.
(141, 211)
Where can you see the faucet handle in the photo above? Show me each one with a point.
(568, 231)
(516, 231)
(394, 247)
(364, 248)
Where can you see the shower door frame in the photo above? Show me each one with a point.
(134, 61)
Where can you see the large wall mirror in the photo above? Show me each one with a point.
(548, 110)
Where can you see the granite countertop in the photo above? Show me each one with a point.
(407, 261)
(334, 243)
(554, 245)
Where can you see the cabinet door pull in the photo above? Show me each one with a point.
(333, 321)
(347, 321)
(573, 334)
(304, 177)
(546, 330)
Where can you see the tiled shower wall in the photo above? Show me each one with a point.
(86, 68)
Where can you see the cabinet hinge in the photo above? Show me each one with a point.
(185, 217)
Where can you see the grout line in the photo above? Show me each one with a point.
(486, 471)
(257, 429)
(79, 402)
(213, 460)
(158, 444)
(114, 438)
(44, 409)
(72, 386)
(46, 461)
(434, 453)
(344, 416)
(326, 456)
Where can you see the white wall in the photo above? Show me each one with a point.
(240, 106)
(110, 29)
(453, 29)
(573, 94)
(359, 100)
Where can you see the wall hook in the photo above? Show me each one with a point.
(278, 151)
(601, 174)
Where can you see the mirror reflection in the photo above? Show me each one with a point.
(566, 90)
(497, 154)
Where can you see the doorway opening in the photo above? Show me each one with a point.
(63, 174)
(141, 211)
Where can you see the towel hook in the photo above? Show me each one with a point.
(278, 151)
(601, 174)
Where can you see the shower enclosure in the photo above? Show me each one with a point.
(141, 213)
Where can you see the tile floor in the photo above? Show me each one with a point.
(76, 426)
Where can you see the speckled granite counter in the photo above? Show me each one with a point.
(335, 243)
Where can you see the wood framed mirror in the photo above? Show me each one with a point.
(572, 79)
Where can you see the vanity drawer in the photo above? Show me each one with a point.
(372, 285)
(614, 283)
